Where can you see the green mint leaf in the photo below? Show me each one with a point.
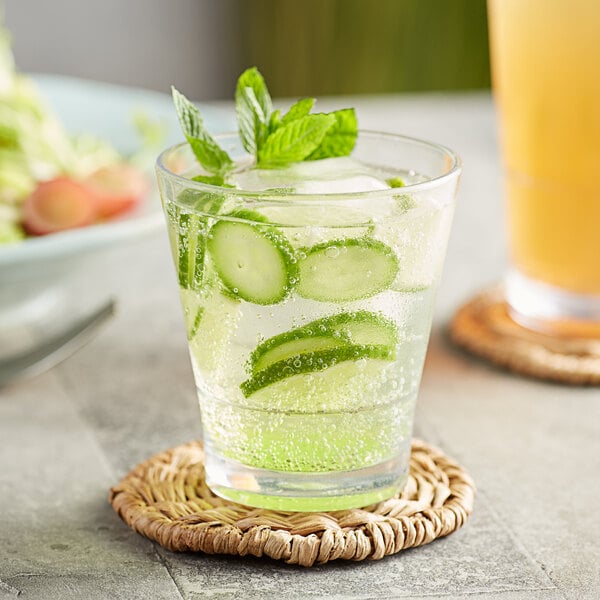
(298, 110)
(252, 122)
(253, 79)
(254, 107)
(395, 182)
(209, 154)
(212, 180)
(187, 113)
(295, 141)
(274, 121)
(340, 138)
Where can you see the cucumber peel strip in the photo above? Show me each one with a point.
(343, 329)
(311, 362)
(192, 230)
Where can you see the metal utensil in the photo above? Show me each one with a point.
(56, 348)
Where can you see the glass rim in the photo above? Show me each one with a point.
(432, 182)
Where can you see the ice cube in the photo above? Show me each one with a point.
(356, 183)
(327, 176)
(328, 168)
(258, 180)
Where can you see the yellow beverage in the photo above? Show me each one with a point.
(546, 75)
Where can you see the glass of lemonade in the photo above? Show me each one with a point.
(308, 295)
(545, 67)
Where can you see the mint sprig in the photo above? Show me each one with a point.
(295, 141)
(273, 139)
(209, 154)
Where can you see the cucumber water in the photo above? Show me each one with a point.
(307, 324)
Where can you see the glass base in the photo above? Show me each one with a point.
(306, 492)
(549, 309)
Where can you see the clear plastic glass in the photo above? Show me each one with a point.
(308, 318)
(545, 61)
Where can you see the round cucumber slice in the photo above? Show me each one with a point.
(358, 327)
(347, 269)
(311, 362)
(254, 261)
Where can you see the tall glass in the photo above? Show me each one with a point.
(546, 79)
(308, 318)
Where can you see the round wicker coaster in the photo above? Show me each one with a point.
(167, 500)
(484, 327)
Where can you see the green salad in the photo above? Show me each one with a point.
(49, 180)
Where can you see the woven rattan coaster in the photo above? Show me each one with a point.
(484, 327)
(167, 500)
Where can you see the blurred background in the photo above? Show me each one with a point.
(308, 47)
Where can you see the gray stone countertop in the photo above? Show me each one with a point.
(533, 448)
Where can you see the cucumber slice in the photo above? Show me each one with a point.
(192, 325)
(311, 362)
(190, 239)
(365, 328)
(254, 261)
(294, 346)
(348, 269)
(360, 328)
(191, 249)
